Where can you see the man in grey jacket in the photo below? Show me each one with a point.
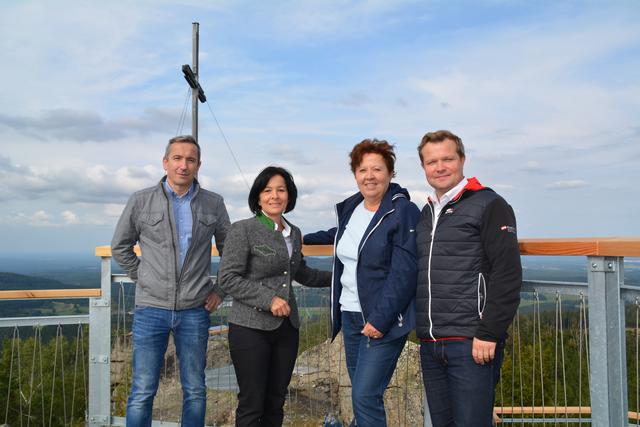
(173, 222)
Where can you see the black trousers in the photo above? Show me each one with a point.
(263, 361)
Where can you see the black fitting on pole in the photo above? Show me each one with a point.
(190, 77)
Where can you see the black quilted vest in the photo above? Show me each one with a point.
(455, 265)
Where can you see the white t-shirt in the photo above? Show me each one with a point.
(347, 252)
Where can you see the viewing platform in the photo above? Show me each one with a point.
(572, 356)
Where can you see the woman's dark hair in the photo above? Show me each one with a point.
(261, 182)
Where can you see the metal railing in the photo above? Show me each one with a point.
(528, 393)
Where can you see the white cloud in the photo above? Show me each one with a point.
(91, 184)
(70, 217)
(39, 218)
(567, 185)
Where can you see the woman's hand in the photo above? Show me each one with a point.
(280, 307)
(370, 331)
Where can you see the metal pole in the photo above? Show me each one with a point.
(194, 92)
(608, 373)
(99, 411)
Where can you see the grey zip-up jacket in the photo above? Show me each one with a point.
(148, 220)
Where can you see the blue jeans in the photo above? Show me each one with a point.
(370, 364)
(151, 328)
(459, 391)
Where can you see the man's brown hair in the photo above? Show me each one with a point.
(441, 136)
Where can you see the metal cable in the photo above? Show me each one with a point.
(75, 371)
(513, 368)
(340, 350)
(406, 381)
(637, 354)
(520, 367)
(84, 373)
(122, 346)
(235, 160)
(183, 114)
(41, 376)
(555, 370)
(539, 322)
(126, 345)
(564, 373)
(396, 388)
(580, 346)
(16, 335)
(53, 379)
(32, 374)
(533, 359)
(306, 329)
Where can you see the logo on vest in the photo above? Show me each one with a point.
(508, 229)
(448, 211)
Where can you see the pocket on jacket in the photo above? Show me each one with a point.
(152, 227)
(206, 226)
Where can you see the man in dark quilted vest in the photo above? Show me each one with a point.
(469, 279)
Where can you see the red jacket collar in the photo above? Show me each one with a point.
(472, 185)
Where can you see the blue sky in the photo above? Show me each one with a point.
(545, 95)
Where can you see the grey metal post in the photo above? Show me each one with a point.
(608, 373)
(194, 92)
(99, 412)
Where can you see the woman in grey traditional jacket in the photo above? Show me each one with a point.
(262, 257)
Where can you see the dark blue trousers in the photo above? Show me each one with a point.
(459, 392)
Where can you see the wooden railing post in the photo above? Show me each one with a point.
(608, 369)
(99, 407)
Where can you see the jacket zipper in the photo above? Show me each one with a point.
(364, 321)
(333, 262)
(484, 293)
(434, 225)
(173, 244)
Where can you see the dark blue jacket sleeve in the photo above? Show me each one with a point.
(400, 286)
(320, 237)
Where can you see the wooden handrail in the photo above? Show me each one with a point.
(551, 410)
(583, 246)
(577, 246)
(540, 410)
(51, 293)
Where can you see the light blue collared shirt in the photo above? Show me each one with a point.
(183, 217)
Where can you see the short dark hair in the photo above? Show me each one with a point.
(184, 139)
(441, 136)
(261, 181)
(373, 146)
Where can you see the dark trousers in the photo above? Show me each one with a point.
(263, 361)
(459, 391)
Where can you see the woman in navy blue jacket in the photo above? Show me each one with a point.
(374, 276)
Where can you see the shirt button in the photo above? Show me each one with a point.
(285, 273)
(284, 285)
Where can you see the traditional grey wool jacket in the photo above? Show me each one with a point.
(256, 267)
